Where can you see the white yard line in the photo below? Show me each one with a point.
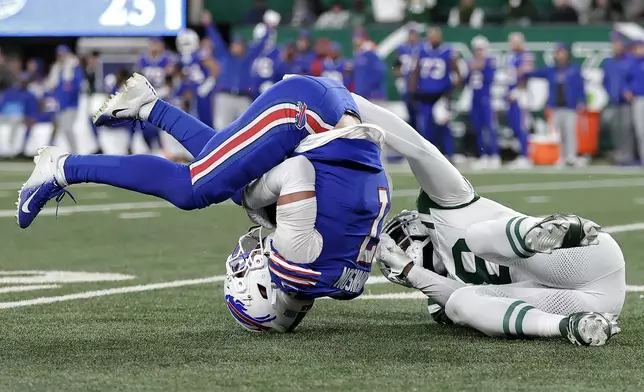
(376, 279)
(541, 186)
(106, 292)
(32, 287)
(403, 168)
(138, 215)
(537, 186)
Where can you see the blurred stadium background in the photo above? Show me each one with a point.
(60, 60)
(156, 319)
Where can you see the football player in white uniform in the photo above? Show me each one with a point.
(490, 267)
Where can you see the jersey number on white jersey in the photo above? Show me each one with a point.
(481, 273)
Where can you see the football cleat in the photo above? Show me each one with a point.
(561, 231)
(591, 328)
(134, 101)
(41, 186)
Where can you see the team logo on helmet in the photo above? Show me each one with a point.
(300, 117)
(238, 311)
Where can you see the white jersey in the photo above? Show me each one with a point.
(450, 248)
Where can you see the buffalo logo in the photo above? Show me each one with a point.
(300, 117)
(9, 8)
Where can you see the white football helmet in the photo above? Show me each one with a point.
(187, 42)
(252, 298)
(411, 234)
(480, 42)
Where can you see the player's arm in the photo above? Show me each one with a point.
(213, 73)
(456, 69)
(438, 288)
(290, 185)
(414, 77)
(397, 67)
(580, 89)
(256, 48)
(436, 175)
(221, 48)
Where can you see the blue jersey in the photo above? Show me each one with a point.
(435, 68)
(480, 81)
(155, 69)
(18, 102)
(304, 60)
(335, 70)
(193, 66)
(369, 75)
(519, 63)
(635, 82)
(264, 71)
(352, 203)
(48, 109)
(406, 55)
(616, 77)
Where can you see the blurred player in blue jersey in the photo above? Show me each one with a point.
(201, 69)
(18, 108)
(402, 70)
(431, 84)
(480, 77)
(334, 66)
(287, 64)
(155, 64)
(65, 80)
(368, 71)
(330, 184)
(304, 54)
(264, 69)
(619, 113)
(234, 87)
(520, 62)
(635, 93)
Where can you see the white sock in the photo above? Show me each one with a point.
(146, 109)
(60, 171)
(499, 316)
(500, 240)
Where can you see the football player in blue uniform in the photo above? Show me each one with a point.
(155, 64)
(520, 63)
(201, 70)
(263, 72)
(291, 120)
(402, 70)
(431, 84)
(480, 77)
(334, 66)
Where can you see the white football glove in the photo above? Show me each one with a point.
(392, 260)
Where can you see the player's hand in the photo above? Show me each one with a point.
(581, 108)
(628, 96)
(392, 260)
(206, 18)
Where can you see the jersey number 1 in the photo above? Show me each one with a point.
(368, 247)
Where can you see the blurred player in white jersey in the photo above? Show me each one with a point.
(554, 276)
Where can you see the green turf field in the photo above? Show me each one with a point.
(94, 337)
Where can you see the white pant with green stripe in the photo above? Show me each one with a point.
(549, 286)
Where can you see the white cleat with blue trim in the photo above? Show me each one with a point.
(44, 184)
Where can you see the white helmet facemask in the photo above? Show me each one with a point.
(252, 298)
(412, 235)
